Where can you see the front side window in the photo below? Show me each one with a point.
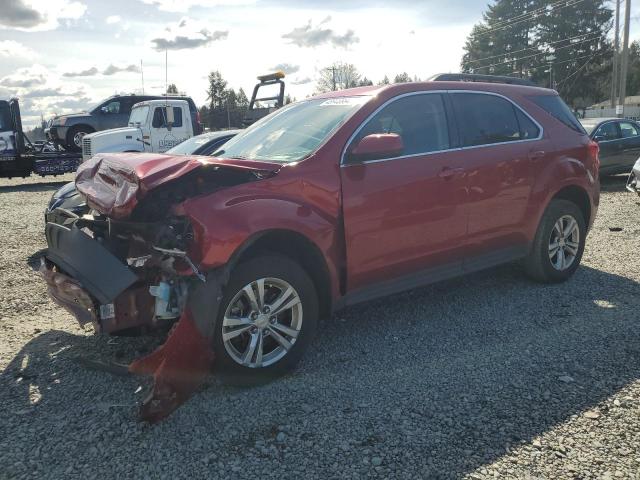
(486, 119)
(420, 120)
(138, 115)
(294, 132)
(112, 107)
(160, 120)
(608, 131)
(628, 130)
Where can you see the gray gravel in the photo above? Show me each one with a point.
(488, 376)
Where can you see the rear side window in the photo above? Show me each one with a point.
(555, 107)
(528, 129)
(628, 129)
(159, 120)
(420, 120)
(608, 131)
(488, 119)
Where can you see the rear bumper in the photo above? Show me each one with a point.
(633, 182)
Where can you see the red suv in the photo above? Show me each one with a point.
(327, 202)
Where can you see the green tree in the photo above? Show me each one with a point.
(384, 81)
(365, 82)
(172, 88)
(216, 90)
(530, 38)
(402, 78)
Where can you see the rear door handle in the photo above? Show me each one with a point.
(448, 173)
(536, 155)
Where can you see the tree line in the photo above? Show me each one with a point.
(563, 45)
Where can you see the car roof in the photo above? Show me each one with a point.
(390, 90)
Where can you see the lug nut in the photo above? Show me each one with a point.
(266, 309)
(272, 320)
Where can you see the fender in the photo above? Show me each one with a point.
(557, 174)
(223, 229)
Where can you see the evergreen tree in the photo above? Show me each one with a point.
(402, 78)
(172, 88)
(529, 38)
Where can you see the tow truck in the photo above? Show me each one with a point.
(19, 157)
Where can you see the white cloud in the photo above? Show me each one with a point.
(39, 15)
(26, 77)
(185, 5)
(113, 19)
(10, 48)
(187, 34)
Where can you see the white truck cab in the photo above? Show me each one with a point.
(154, 126)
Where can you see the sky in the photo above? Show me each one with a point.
(60, 56)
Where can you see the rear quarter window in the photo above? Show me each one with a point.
(555, 107)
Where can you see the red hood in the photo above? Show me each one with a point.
(113, 183)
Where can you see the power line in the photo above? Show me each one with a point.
(500, 26)
(594, 34)
(531, 56)
(529, 14)
(577, 71)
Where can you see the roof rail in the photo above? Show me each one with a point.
(475, 77)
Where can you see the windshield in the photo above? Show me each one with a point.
(138, 115)
(190, 145)
(293, 132)
(5, 117)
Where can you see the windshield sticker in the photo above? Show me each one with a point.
(342, 101)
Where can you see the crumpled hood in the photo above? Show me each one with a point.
(114, 183)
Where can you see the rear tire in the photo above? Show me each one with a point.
(75, 135)
(281, 335)
(559, 243)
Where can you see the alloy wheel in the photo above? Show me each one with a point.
(262, 322)
(77, 138)
(564, 242)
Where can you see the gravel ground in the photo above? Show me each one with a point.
(488, 376)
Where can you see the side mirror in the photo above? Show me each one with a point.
(170, 118)
(104, 109)
(376, 147)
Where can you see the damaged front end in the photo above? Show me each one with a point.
(130, 263)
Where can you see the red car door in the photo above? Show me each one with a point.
(501, 144)
(405, 214)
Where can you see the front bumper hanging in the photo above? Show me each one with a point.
(82, 275)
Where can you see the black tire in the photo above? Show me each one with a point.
(538, 265)
(71, 135)
(266, 266)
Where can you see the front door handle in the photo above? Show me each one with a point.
(448, 173)
(536, 155)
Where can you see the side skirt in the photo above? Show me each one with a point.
(432, 275)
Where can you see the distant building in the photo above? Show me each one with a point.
(603, 109)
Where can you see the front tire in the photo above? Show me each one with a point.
(268, 316)
(75, 136)
(559, 243)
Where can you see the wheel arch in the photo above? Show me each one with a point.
(297, 247)
(577, 195)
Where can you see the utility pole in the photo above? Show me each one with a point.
(616, 57)
(625, 60)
